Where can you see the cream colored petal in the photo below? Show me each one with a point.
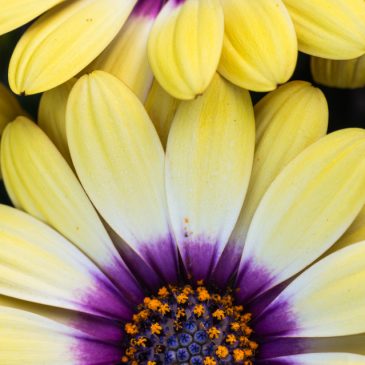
(39, 265)
(328, 299)
(63, 41)
(287, 121)
(52, 116)
(30, 339)
(260, 46)
(161, 107)
(348, 74)
(15, 13)
(185, 45)
(329, 29)
(40, 182)
(305, 210)
(319, 359)
(124, 178)
(126, 57)
(208, 165)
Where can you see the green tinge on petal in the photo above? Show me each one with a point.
(126, 57)
(52, 116)
(15, 13)
(9, 107)
(161, 107)
(328, 28)
(348, 74)
(185, 45)
(63, 41)
(260, 46)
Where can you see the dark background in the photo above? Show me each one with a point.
(346, 107)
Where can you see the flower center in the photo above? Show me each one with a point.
(183, 325)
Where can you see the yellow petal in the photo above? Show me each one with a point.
(306, 209)
(161, 107)
(9, 107)
(37, 264)
(260, 46)
(15, 13)
(30, 339)
(40, 182)
(328, 299)
(126, 57)
(287, 121)
(52, 116)
(208, 165)
(339, 73)
(355, 233)
(63, 41)
(185, 45)
(124, 178)
(335, 358)
(329, 29)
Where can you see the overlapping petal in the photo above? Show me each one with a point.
(49, 53)
(185, 45)
(15, 13)
(339, 73)
(328, 299)
(52, 116)
(37, 264)
(161, 107)
(329, 29)
(40, 182)
(126, 57)
(305, 210)
(208, 163)
(30, 339)
(124, 178)
(260, 46)
(287, 121)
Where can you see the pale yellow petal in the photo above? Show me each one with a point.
(124, 178)
(329, 29)
(161, 107)
(63, 41)
(40, 182)
(15, 13)
(328, 299)
(306, 209)
(126, 57)
(37, 264)
(52, 116)
(260, 46)
(185, 45)
(355, 233)
(335, 358)
(31, 339)
(288, 120)
(348, 74)
(208, 165)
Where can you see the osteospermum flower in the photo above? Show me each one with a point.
(163, 296)
(253, 44)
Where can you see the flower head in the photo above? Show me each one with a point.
(160, 279)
